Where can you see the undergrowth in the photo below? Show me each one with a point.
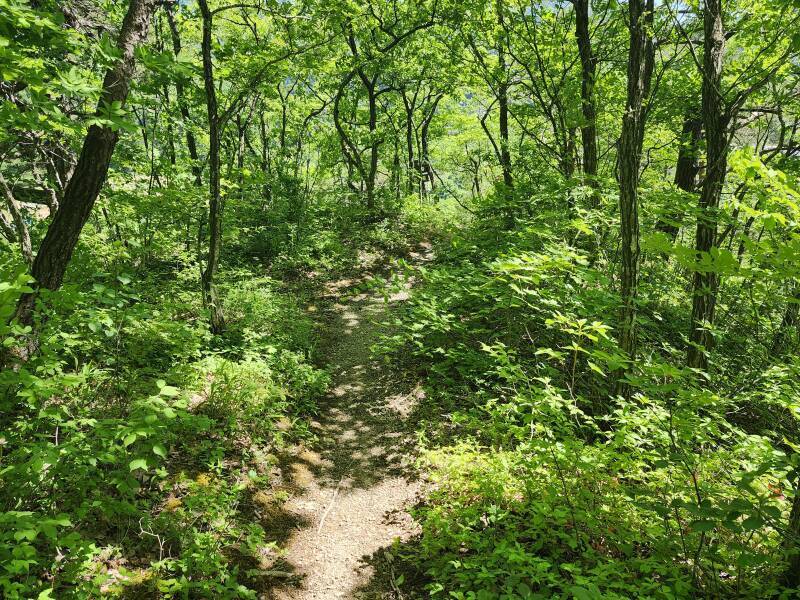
(544, 482)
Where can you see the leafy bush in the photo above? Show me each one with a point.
(252, 395)
(115, 481)
(545, 483)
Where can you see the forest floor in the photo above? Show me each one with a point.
(349, 491)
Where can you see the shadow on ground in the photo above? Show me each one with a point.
(350, 491)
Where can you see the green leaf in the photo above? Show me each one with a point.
(594, 367)
(25, 534)
(138, 463)
(752, 522)
(703, 525)
(580, 593)
(159, 450)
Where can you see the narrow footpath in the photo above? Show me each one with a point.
(349, 494)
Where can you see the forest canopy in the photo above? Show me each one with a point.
(564, 233)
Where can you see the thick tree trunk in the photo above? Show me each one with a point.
(588, 75)
(640, 70)
(91, 170)
(686, 169)
(210, 295)
(715, 120)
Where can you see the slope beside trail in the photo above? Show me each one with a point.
(349, 492)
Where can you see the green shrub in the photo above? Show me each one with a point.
(547, 484)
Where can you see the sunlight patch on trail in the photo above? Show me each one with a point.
(353, 489)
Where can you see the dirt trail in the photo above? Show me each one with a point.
(350, 492)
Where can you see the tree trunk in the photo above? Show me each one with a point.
(425, 160)
(413, 179)
(588, 109)
(191, 143)
(715, 120)
(265, 160)
(241, 128)
(23, 234)
(791, 543)
(7, 229)
(502, 101)
(640, 70)
(686, 169)
(789, 322)
(396, 169)
(350, 152)
(426, 165)
(91, 170)
(210, 295)
(372, 172)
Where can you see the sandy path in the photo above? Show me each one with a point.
(351, 490)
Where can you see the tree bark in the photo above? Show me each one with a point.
(715, 121)
(183, 107)
(640, 70)
(686, 169)
(210, 296)
(90, 172)
(349, 151)
(588, 75)
(372, 172)
(413, 171)
(426, 165)
(23, 234)
(789, 322)
(502, 102)
(791, 543)
(265, 160)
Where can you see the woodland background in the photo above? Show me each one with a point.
(607, 336)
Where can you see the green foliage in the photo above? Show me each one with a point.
(545, 483)
(134, 442)
(97, 446)
(253, 394)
